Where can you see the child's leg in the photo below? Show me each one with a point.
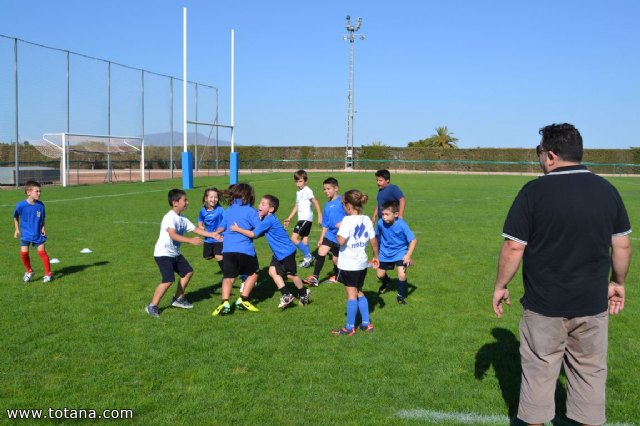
(352, 307)
(322, 252)
(24, 255)
(161, 289)
(277, 279)
(219, 260)
(45, 259)
(295, 238)
(363, 307)
(384, 278)
(296, 281)
(248, 285)
(227, 285)
(304, 247)
(402, 281)
(184, 282)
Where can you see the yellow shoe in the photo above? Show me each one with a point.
(222, 309)
(245, 305)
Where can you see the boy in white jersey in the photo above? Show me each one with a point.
(167, 252)
(304, 199)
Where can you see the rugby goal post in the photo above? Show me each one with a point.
(77, 146)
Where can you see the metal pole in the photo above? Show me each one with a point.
(171, 126)
(184, 79)
(351, 28)
(109, 121)
(15, 94)
(67, 162)
(142, 145)
(232, 88)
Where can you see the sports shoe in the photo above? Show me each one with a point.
(47, 278)
(285, 300)
(383, 288)
(223, 309)
(332, 279)
(245, 305)
(344, 332)
(152, 310)
(306, 262)
(27, 276)
(312, 281)
(181, 303)
(367, 328)
(401, 300)
(304, 300)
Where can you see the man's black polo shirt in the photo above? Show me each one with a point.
(566, 218)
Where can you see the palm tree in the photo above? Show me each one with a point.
(444, 138)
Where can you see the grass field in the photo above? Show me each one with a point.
(85, 342)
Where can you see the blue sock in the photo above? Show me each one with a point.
(301, 248)
(402, 288)
(363, 307)
(304, 248)
(352, 311)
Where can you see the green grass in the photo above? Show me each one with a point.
(84, 341)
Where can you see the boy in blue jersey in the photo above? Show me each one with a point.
(238, 253)
(397, 243)
(328, 242)
(387, 192)
(210, 219)
(28, 220)
(283, 262)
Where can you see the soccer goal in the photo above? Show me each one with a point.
(101, 156)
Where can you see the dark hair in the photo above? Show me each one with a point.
(207, 191)
(30, 184)
(356, 198)
(175, 195)
(394, 206)
(273, 201)
(241, 191)
(300, 174)
(330, 181)
(564, 140)
(384, 173)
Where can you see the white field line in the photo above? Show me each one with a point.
(465, 418)
(91, 197)
(136, 222)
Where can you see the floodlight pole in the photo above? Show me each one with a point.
(351, 37)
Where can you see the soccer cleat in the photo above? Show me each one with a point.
(312, 281)
(47, 278)
(367, 328)
(223, 309)
(245, 305)
(285, 301)
(304, 300)
(152, 310)
(306, 262)
(332, 279)
(344, 332)
(401, 300)
(27, 276)
(181, 303)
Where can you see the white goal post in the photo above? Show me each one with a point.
(67, 145)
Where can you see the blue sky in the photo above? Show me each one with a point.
(494, 72)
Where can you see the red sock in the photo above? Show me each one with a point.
(45, 261)
(26, 261)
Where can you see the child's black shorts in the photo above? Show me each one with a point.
(234, 264)
(303, 228)
(286, 266)
(334, 247)
(169, 265)
(390, 266)
(210, 250)
(352, 278)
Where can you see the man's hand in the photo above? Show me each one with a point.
(499, 296)
(616, 298)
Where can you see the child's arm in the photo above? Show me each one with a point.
(16, 224)
(245, 232)
(292, 214)
(322, 234)
(374, 247)
(407, 257)
(214, 234)
(196, 241)
(317, 205)
(402, 202)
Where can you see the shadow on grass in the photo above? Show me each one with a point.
(68, 270)
(504, 356)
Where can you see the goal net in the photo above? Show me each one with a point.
(101, 156)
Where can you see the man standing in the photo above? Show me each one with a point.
(570, 228)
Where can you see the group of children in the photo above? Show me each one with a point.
(346, 233)
(228, 238)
